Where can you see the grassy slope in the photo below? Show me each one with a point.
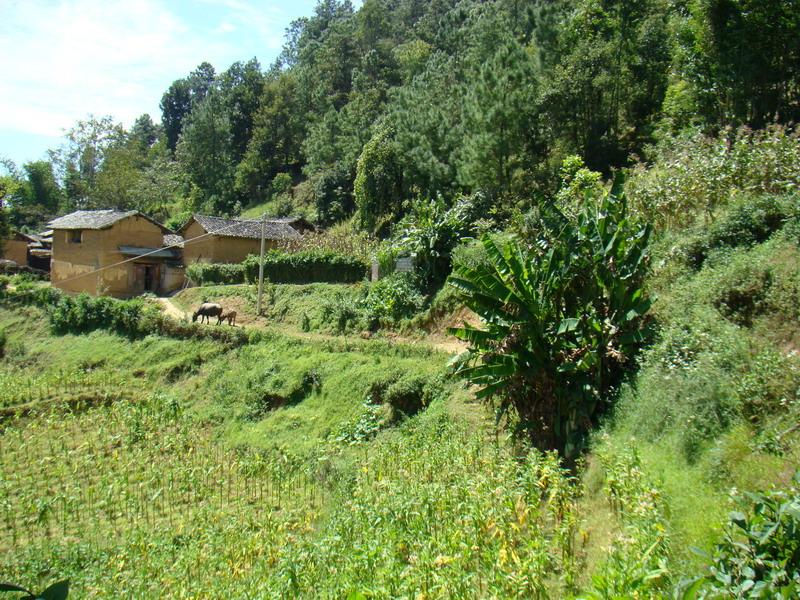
(284, 304)
(432, 501)
(300, 310)
(705, 414)
(719, 386)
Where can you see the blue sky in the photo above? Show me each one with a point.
(62, 60)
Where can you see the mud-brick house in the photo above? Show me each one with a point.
(116, 253)
(218, 240)
(15, 247)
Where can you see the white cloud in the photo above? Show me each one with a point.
(225, 27)
(61, 60)
(267, 21)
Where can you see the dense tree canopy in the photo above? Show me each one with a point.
(477, 96)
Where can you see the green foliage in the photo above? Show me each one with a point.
(750, 220)
(378, 183)
(444, 512)
(429, 235)
(340, 311)
(410, 394)
(719, 357)
(637, 562)
(577, 182)
(306, 267)
(57, 591)
(759, 556)
(392, 299)
(606, 90)
(770, 385)
(133, 318)
(695, 174)
(274, 144)
(205, 155)
(748, 50)
(344, 238)
(216, 273)
(500, 118)
(563, 319)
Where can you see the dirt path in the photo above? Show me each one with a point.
(171, 310)
(440, 342)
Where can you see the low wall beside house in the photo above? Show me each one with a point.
(173, 278)
(16, 250)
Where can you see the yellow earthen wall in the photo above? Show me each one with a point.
(218, 249)
(172, 278)
(16, 250)
(100, 248)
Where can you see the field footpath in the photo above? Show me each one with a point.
(442, 343)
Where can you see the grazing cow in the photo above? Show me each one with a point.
(206, 311)
(229, 316)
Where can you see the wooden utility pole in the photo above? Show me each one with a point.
(261, 264)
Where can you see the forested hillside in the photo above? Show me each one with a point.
(374, 110)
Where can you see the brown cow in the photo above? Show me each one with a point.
(206, 311)
(229, 316)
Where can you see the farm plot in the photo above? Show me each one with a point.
(23, 386)
(84, 477)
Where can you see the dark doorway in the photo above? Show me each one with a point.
(149, 276)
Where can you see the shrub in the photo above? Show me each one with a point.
(28, 293)
(411, 394)
(686, 386)
(750, 221)
(759, 556)
(392, 299)
(740, 290)
(3, 342)
(470, 254)
(84, 313)
(405, 393)
(307, 267)
(133, 318)
(340, 312)
(216, 273)
(769, 386)
(430, 233)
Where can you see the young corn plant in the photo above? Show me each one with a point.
(563, 318)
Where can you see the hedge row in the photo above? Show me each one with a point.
(309, 266)
(132, 318)
(215, 273)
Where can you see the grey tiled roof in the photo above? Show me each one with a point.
(149, 252)
(173, 240)
(90, 219)
(274, 230)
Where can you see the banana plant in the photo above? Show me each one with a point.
(57, 591)
(562, 318)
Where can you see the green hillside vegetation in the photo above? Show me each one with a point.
(308, 461)
(601, 198)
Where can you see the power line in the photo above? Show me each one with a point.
(176, 245)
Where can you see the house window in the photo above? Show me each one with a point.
(74, 236)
